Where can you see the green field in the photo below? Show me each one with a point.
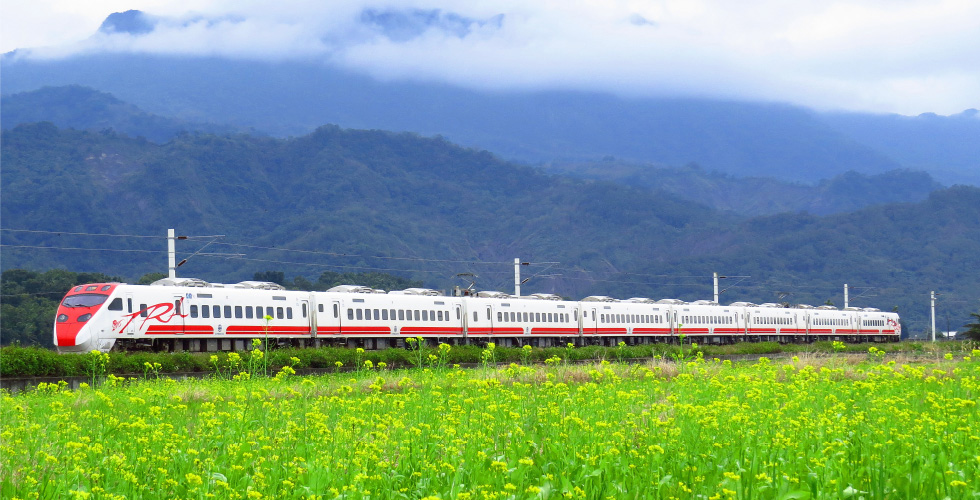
(816, 427)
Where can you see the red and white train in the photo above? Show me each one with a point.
(192, 315)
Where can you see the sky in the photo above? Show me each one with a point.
(888, 56)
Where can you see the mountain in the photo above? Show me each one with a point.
(355, 200)
(74, 106)
(294, 97)
(947, 146)
(761, 196)
(87, 109)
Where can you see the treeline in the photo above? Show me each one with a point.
(30, 299)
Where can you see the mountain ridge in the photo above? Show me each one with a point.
(354, 200)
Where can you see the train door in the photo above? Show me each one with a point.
(308, 316)
(460, 320)
(130, 325)
(178, 315)
(338, 318)
(593, 322)
(490, 319)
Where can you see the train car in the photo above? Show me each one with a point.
(193, 315)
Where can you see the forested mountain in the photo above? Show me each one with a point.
(73, 106)
(87, 109)
(353, 200)
(757, 195)
(294, 97)
(947, 146)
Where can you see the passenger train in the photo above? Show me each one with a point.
(178, 314)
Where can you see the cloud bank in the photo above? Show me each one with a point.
(903, 56)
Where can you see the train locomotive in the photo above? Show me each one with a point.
(186, 314)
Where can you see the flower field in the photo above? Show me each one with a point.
(811, 428)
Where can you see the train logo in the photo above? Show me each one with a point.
(158, 312)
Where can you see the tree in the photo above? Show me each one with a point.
(277, 277)
(973, 329)
(150, 278)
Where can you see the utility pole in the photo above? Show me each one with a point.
(932, 300)
(517, 277)
(716, 287)
(171, 254)
(845, 296)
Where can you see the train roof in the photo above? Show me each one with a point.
(417, 291)
(199, 283)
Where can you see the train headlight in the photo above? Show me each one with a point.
(62, 318)
(85, 317)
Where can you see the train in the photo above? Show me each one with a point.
(188, 314)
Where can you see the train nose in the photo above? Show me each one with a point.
(72, 334)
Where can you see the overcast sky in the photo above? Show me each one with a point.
(897, 56)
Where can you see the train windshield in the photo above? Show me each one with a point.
(84, 300)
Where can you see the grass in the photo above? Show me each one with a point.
(810, 427)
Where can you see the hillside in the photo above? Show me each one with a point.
(352, 200)
(87, 109)
(295, 97)
(73, 106)
(761, 196)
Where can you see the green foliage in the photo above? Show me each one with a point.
(148, 278)
(972, 329)
(16, 361)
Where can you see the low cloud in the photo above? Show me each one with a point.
(909, 56)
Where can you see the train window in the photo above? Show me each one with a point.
(319, 307)
(193, 310)
(360, 314)
(116, 304)
(401, 315)
(143, 310)
(392, 314)
(129, 305)
(336, 310)
(289, 313)
(475, 316)
(279, 312)
(417, 317)
(425, 315)
(384, 314)
(91, 288)
(432, 316)
(238, 312)
(177, 306)
(458, 313)
(205, 312)
(248, 312)
(105, 288)
(304, 310)
(227, 311)
(500, 316)
(216, 311)
(350, 314)
(78, 289)
(440, 315)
